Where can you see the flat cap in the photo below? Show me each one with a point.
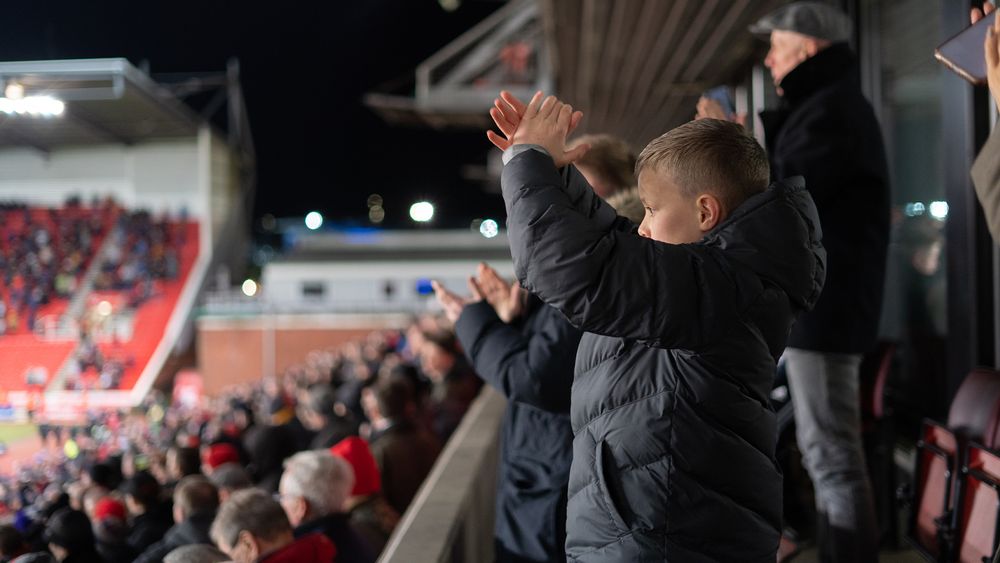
(815, 19)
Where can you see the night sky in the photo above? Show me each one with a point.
(325, 150)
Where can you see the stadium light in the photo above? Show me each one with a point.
(939, 210)
(914, 209)
(422, 211)
(249, 288)
(34, 106)
(314, 220)
(489, 228)
(14, 91)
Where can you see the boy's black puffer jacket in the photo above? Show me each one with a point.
(673, 449)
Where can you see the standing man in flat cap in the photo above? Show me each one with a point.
(825, 130)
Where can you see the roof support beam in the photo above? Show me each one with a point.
(18, 138)
(78, 117)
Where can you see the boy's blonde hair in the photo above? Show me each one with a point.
(709, 156)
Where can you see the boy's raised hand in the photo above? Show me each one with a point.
(545, 122)
(506, 113)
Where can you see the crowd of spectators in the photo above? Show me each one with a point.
(320, 460)
(144, 250)
(43, 253)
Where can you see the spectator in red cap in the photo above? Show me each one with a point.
(217, 454)
(370, 513)
(111, 531)
(109, 507)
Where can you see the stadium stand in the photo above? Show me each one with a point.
(87, 292)
(114, 450)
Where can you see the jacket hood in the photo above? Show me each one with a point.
(777, 234)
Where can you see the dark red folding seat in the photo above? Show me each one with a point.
(978, 506)
(937, 508)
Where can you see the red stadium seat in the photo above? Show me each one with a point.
(940, 507)
(937, 453)
(979, 506)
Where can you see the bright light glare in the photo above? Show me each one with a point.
(249, 288)
(104, 308)
(939, 209)
(14, 91)
(421, 211)
(489, 228)
(914, 209)
(37, 106)
(314, 220)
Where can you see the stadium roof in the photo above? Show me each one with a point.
(106, 101)
(635, 67)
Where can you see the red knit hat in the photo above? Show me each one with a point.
(108, 507)
(366, 476)
(217, 454)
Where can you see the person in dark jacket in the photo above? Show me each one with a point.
(268, 446)
(195, 503)
(826, 131)
(151, 517)
(529, 358)
(674, 439)
(318, 412)
(70, 537)
(404, 450)
(313, 492)
(12, 543)
(455, 384)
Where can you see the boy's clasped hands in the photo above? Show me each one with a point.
(544, 121)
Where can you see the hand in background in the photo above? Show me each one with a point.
(978, 14)
(708, 108)
(507, 299)
(508, 113)
(451, 302)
